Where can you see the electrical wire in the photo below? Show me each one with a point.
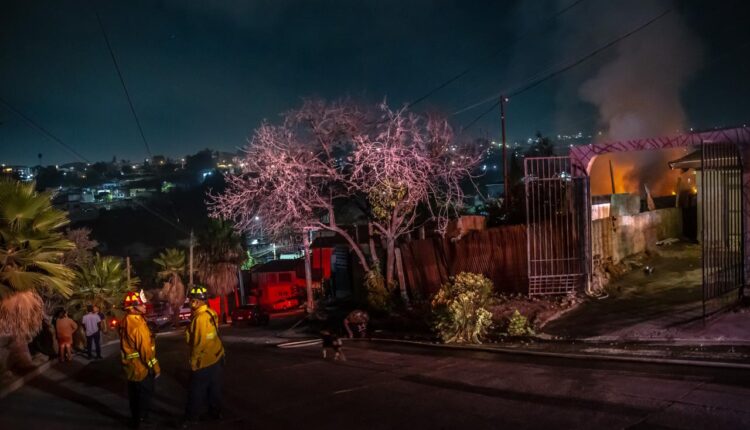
(493, 54)
(70, 149)
(122, 81)
(42, 130)
(160, 216)
(713, 59)
(534, 83)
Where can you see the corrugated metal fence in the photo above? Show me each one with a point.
(498, 253)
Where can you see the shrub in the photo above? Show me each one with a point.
(378, 297)
(518, 325)
(460, 308)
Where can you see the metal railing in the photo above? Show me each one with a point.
(721, 224)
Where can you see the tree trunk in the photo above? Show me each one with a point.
(310, 307)
(389, 262)
(373, 251)
(401, 277)
(175, 304)
(223, 307)
(175, 315)
(354, 245)
(19, 356)
(5, 342)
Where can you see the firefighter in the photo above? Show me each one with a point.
(206, 358)
(138, 353)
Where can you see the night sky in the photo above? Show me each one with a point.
(205, 73)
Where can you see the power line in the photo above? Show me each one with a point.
(42, 130)
(528, 86)
(122, 81)
(498, 51)
(161, 217)
(57, 140)
(713, 60)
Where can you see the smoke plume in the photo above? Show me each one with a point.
(635, 88)
(637, 93)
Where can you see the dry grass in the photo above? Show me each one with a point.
(220, 278)
(21, 315)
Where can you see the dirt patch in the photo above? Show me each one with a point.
(642, 303)
(538, 310)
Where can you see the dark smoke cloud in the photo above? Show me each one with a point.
(637, 93)
(631, 91)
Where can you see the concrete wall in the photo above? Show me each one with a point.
(623, 236)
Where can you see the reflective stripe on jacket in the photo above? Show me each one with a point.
(202, 337)
(137, 348)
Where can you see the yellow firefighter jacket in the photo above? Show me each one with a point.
(203, 338)
(137, 348)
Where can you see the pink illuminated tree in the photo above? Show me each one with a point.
(405, 162)
(392, 162)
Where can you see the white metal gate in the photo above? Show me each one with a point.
(556, 221)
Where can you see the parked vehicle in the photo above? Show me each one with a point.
(249, 314)
(185, 313)
(158, 316)
(113, 322)
(285, 304)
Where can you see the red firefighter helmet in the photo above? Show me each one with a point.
(133, 298)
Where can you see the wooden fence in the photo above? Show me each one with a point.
(498, 253)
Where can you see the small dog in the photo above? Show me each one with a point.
(332, 343)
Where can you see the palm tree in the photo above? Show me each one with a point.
(171, 264)
(102, 282)
(31, 248)
(218, 259)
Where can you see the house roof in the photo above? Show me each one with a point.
(358, 233)
(694, 160)
(689, 161)
(328, 242)
(278, 266)
(297, 266)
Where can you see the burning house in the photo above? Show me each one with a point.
(577, 232)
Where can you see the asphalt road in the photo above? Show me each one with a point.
(393, 387)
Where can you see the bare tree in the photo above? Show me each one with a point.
(407, 161)
(395, 161)
(293, 173)
(83, 253)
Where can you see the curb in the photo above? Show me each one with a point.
(23, 380)
(676, 341)
(574, 356)
(20, 382)
(662, 341)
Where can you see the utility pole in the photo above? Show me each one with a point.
(127, 269)
(190, 282)
(506, 184)
(308, 271)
